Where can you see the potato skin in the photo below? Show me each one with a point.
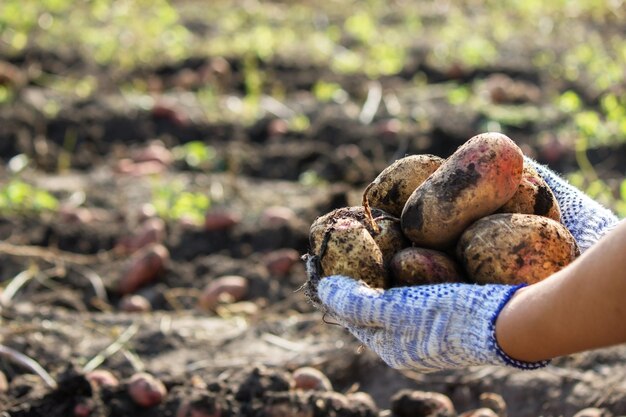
(514, 248)
(476, 180)
(394, 185)
(388, 237)
(348, 249)
(533, 196)
(419, 266)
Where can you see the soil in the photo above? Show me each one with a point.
(60, 270)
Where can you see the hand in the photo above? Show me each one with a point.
(445, 326)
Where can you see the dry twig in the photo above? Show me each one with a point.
(113, 348)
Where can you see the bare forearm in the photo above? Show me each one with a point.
(579, 308)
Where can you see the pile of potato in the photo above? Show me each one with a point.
(482, 216)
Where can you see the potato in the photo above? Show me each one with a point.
(476, 180)
(349, 249)
(145, 390)
(215, 220)
(418, 266)
(385, 231)
(389, 237)
(392, 187)
(533, 196)
(227, 288)
(144, 267)
(134, 303)
(280, 262)
(514, 248)
(102, 378)
(308, 378)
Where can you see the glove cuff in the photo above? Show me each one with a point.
(495, 347)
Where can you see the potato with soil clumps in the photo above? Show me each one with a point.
(349, 249)
(533, 196)
(384, 229)
(394, 185)
(514, 248)
(475, 181)
(419, 266)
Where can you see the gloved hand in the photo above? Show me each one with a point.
(446, 326)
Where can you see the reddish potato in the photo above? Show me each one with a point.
(307, 378)
(533, 196)
(280, 262)
(144, 267)
(395, 184)
(419, 266)
(476, 180)
(146, 390)
(228, 288)
(134, 303)
(220, 220)
(102, 378)
(515, 248)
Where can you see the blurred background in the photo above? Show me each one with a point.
(426, 75)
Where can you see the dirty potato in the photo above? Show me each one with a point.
(392, 187)
(418, 266)
(533, 196)
(514, 248)
(476, 180)
(385, 231)
(348, 249)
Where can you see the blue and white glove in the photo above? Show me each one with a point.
(446, 326)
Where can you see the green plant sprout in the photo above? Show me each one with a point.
(173, 202)
(196, 154)
(17, 197)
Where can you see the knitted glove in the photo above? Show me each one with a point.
(425, 328)
(585, 218)
(446, 326)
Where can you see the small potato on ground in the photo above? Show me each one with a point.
(146, 390)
